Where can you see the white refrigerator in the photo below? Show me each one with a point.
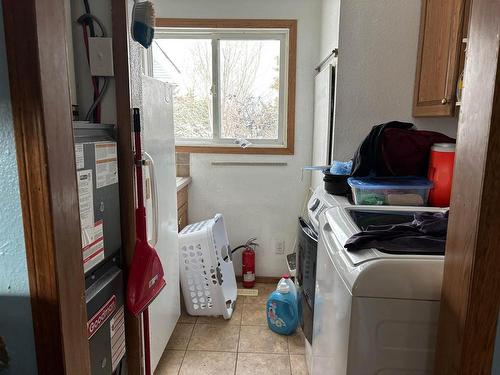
(161, 206)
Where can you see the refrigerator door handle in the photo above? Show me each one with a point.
(154, 198)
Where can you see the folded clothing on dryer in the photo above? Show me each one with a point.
(426, 234)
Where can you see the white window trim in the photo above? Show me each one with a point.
(283, 35)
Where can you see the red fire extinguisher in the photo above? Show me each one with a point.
(248, 263)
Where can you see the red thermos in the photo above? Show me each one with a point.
(441, 162)
(248, 267)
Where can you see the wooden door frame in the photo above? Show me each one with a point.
(37, 61)
(471, 284)
(43, 131)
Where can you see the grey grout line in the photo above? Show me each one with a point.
(238, 346)
(187, 346)
(182, 361)
(246, 301)
(236, 352)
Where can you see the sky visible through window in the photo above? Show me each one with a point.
(249, 86)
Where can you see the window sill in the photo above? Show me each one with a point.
(236, 150)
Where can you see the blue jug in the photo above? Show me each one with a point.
(282, 310)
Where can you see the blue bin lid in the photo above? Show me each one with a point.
(409, 182)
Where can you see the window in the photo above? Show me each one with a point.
(234, 80)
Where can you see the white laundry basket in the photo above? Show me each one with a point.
(206, 269)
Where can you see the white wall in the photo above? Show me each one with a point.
(258, 201)
(376, 70)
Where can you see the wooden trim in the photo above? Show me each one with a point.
(291, 25)
(120, 30)
(227, 23)
(471, 285)
(36, 39)
(262, 279)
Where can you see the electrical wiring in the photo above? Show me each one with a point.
(95, 82)
(87, 10)
(98, 99)
(87, 20)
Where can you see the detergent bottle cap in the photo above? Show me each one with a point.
(283, 287)
(285, 276)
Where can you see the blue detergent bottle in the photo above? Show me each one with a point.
(281, 309)
(293, 290)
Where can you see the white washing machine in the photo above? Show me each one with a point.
(374, 312)
(307, 249)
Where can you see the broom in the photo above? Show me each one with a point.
(143, 23)
(145, 280)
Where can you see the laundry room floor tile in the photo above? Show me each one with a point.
(180, 337)
(260, 339)
(235, 318)
(215, 337)
(170, 362)
(186, 318)
(243, 345)
(263, 364)
(296, 344)
(264, 291)
(298, 364)
(208, 363)
(254, 314)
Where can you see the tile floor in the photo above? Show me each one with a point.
(241, 346)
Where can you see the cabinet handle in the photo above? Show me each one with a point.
(444, 101)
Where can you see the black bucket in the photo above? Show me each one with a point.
(336, 184)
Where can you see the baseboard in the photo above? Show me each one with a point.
(262, 279)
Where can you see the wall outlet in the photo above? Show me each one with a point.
(279, 247)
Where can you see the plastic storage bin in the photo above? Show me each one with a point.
(206, 270)
(394, 191)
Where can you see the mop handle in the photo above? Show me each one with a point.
(147, 344)
(141, 227)
(141, 210)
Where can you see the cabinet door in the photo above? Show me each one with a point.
(438, 57)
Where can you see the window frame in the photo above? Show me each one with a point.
(286, 32)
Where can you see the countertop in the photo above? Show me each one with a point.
(182, 182)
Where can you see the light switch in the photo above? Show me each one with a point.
(101, 57)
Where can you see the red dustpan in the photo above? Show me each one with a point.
(145, 278)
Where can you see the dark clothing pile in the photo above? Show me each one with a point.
(395, 149)
(426, 234)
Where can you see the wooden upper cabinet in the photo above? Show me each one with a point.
(442, 27)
